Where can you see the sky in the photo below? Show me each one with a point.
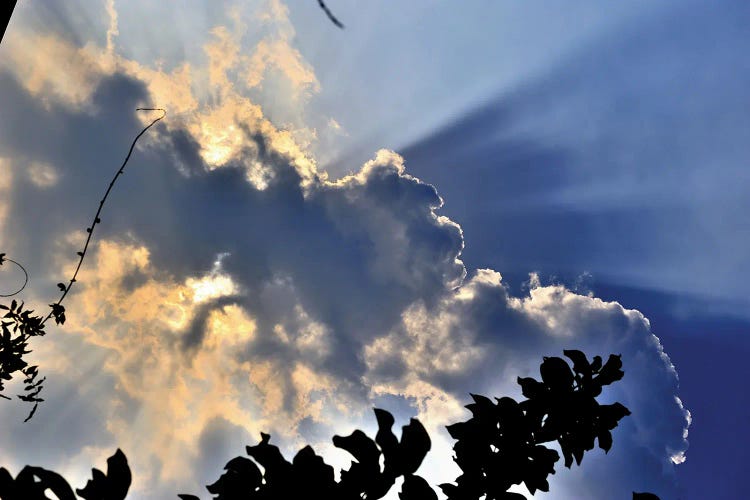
(396, 214)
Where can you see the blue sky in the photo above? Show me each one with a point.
(329, 220)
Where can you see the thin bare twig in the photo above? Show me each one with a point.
(3, 259)
(90, 230)
(330, 14)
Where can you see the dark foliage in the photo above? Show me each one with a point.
(498, 447)
(308, 476)
(502, 443)
(113, 485)
(32, 482)
(18, 326)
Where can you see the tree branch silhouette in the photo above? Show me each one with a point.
(57, 310)
(4, 259)
(330, 15)
(19, 324)
(501, 445)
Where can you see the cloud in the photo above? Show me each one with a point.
(568, 154)
(38, 62)
(42, 175)
(112, 30)
(234, 288)
(274, 55)
(6, 182)
(479, 338)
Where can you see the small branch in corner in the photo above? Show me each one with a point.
(330, 14)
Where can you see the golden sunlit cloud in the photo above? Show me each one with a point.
(221, 118)
(140, 317)
(212, 286)
(280, 55)
(53, 69)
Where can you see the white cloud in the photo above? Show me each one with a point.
(494, 337)
(42, 175)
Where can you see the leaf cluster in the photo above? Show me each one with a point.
(501, 445)
(32, 483)
(308, 476)
(23, 325)
(18, 325)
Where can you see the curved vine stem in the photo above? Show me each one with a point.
(25, 276)
(90, 230)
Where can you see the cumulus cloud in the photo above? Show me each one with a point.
(479, 338)
(234, 288)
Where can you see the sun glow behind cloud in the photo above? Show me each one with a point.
(212, 286)
(342, 294)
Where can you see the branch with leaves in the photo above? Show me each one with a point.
(20, 324)
(501, 445)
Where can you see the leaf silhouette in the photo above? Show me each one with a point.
(241, 478)
(581, 365)
(58, 312)
(502, 443)
(388, 443)
(32, 482)
(499, 446)
(312, 475)
(414, 445)
(113, 485)
(416, 488)
(269, 456)
(611, 371)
